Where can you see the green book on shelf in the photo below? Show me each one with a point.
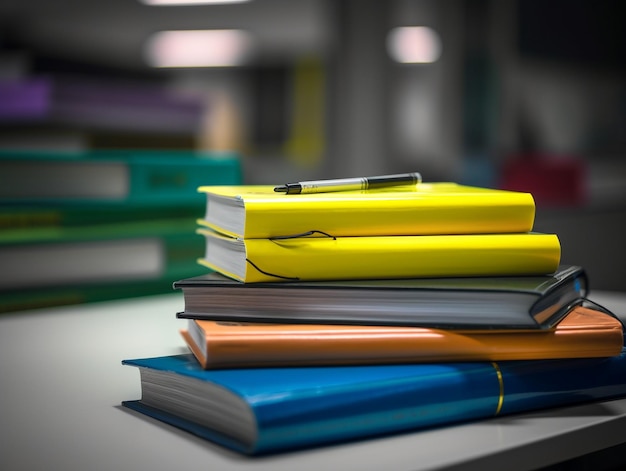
(145, 254)
(116, 177)
(23, 216)
(37, 298)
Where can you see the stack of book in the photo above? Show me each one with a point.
(87, 226)
(337, 316)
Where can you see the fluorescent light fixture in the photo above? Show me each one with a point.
(189, 2)
(414, 44)
(199, 48)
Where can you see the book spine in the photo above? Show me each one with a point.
(436, 395)
(23, 100)
(113, 178)
(37, 298)
(70, 294)
(177, 182)
(61, 216)
(174, 250)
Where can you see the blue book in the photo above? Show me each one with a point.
(268, 410)
(115, 177)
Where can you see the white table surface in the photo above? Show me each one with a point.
(61, 384)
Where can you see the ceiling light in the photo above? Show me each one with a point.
(414, 45)
(199, 48)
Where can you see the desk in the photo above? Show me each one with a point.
(62, 383)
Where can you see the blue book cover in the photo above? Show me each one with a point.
(268, 410)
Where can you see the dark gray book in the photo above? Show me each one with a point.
(520, 302)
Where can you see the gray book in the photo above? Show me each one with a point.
(516, 302)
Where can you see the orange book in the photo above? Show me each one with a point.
(583, 333)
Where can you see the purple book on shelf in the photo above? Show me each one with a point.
(102, 104)
(21, 100)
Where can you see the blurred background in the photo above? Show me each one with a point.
(520, 94)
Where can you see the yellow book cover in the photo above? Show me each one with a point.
(258, 212)
(353, 258)
(582, 333)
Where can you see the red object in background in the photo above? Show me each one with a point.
(552, 180)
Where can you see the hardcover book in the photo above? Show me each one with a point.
(582, 333)
(266, 410)
(44, 216)
(162, 178)
(258, 212)
(472, 302)
(14, 300)
(65, 100)
(39, 257)
(345, 258)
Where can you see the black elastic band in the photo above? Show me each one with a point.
(304, 234)
(271, 274)
(601, 308)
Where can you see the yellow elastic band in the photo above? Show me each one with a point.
(501, 384)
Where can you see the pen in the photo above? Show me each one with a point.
(345, 184)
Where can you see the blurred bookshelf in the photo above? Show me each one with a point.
(83, 107)
(94, 225)
(322, 97)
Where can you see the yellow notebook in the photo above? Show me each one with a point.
(343, 258)
(429, 208)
